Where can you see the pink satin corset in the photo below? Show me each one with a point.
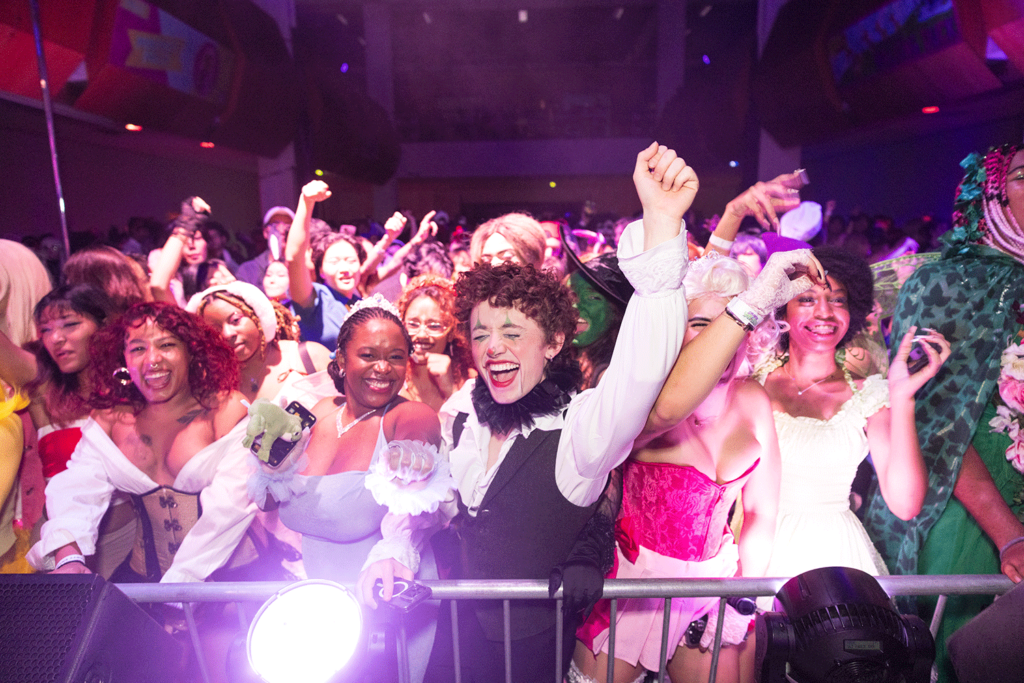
(674, 510)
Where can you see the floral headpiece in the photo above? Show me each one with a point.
(375, 301)
(980, 210)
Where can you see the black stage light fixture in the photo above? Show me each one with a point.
(77, 628)
(839, 626)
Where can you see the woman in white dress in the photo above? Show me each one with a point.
(828, 420)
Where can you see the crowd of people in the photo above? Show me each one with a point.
(615, 398)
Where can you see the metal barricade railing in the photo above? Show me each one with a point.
(614, 589)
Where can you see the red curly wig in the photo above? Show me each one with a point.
(212, 367)
(442, 291)
(538, 295)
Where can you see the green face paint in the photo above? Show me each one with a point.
(593, 308)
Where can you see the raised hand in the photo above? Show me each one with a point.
(665, 184)
(766, 201)
(394, 225)
(784, 276)
(901, 382)
(315, 191)
(428, 228)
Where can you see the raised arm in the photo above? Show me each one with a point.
(701, 362)
(393, 227)
(765, 201)
(892, 433)
(428, 228)
(300, 279)
(193, 212)
(18, 367)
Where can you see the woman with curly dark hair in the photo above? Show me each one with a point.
(440, 361)
(167, 430)
(828, 420)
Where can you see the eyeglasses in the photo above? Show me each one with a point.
(432, 327)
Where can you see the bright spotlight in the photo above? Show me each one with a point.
(524, 16)
(733, 164)
(307, 632)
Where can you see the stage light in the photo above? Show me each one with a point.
(207, 145)
(132, 127)
(307, 632)
(929, 110)
(706, 59)
(552, 184)
(733, 164)
(344, 68)
(524, 16)
(839, 625)
(318, 172)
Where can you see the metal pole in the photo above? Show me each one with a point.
(44, 83)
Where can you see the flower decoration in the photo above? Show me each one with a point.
(1010, 416)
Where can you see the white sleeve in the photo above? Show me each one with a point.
(227, 513)
(76, 500)
(603, 422)
(406, 535)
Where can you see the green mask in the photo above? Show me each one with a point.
(593, 307)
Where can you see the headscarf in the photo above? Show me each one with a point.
(980, 210)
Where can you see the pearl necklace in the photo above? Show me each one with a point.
(344, 428)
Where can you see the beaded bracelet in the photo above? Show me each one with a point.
(68, 559)
(1010, 544)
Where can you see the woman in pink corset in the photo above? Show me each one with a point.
(687, 469)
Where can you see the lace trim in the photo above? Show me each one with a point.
(655, 272)
(399, 548)
(410, 499)
(282, 483)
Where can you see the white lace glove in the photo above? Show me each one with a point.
(774, 288)
(408, 461)
(733, 632)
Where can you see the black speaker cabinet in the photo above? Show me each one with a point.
(77, 628)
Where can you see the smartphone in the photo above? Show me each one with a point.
(918, 358)
(406, 594)
(282, 447)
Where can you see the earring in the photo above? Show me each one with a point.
(122, 376)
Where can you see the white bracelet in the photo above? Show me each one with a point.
(68, 559)
(743, 314)
(723, 244)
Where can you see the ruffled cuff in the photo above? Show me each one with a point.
(656, 271)
(417, 497)
(399, 548)
(280, 482)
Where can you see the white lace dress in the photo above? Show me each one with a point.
(815, 526)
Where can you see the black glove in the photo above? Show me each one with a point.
(582, 574)
(583, 585)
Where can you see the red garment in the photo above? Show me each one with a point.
(56, 447)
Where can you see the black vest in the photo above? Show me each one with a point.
(523, 528)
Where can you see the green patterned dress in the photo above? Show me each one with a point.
(968, 296)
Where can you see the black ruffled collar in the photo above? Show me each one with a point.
(547, 398)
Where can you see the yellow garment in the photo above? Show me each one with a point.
(12, 444)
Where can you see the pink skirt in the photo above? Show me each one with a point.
(638, 623)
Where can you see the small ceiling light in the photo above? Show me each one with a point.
(132, 126)
(619, 11)
(427, 19)
(524, 16)
(704, 12)
(342, 19)
(552, 184)
(706, 59)
(207, 145)
(930, 110)
(344, 68)
(733, 164)
(318, 172)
